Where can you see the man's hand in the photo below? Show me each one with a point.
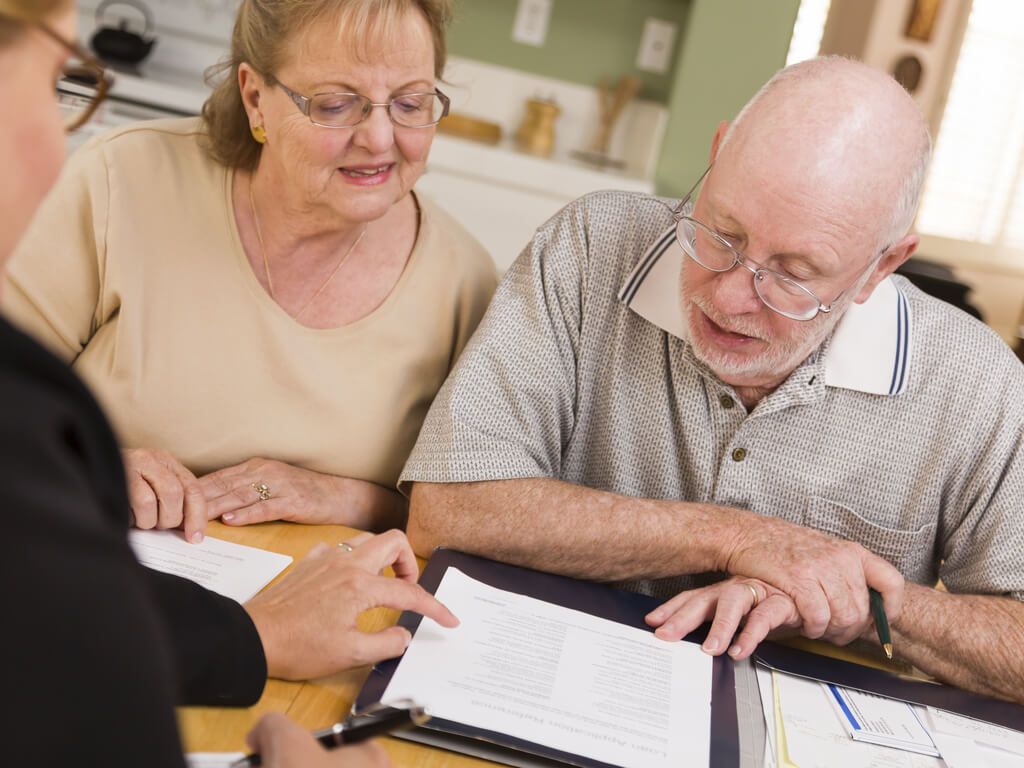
(283, 744)
(163, 493)
(307, 621)
(727, 603)
(827, 578)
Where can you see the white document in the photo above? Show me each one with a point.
(232, 570)
(880, 720)
(212, 759)
(960, 752)
(559, 677)
(984, 733)
(968, 743)
(767, 692)
(813, 736)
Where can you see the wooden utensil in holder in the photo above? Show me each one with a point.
(611, 105)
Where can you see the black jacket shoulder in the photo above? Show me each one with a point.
(99, 648)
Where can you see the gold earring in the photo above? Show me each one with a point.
(259, 133)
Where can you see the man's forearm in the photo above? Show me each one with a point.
(972, 641)
(372, 507)
(559, 527)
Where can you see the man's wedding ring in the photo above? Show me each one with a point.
(754, 592)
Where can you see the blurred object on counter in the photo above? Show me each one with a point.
(938, 280)
(467, 127)
(611, 107)
(120, 45)
(536, 133)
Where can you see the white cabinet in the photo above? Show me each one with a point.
(501, 196)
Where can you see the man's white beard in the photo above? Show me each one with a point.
(779, 359)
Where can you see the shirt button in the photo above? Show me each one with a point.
(739, 454)
(726, 401)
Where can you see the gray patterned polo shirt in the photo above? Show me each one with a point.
(902, 432)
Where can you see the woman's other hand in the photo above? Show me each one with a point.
(307, 621)
(163, 493)
(259, 490)
(283, 744)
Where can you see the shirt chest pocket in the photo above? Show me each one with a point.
(911, 550)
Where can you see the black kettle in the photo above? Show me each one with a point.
(119, 44)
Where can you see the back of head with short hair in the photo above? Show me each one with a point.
(263, 31)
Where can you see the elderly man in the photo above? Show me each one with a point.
(735, 385)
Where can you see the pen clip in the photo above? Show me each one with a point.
(382, 706)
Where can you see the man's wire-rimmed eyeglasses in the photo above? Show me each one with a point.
(714, 252)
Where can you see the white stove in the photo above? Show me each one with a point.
(191, 36)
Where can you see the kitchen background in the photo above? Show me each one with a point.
(691, 63)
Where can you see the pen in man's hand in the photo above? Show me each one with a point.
(881, 621)
(358, 728)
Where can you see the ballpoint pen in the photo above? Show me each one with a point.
(359, 727)
(881, 622)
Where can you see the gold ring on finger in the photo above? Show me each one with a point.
(345, 546)
(754, 592)
(262, 490)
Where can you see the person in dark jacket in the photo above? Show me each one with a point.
(98, 649)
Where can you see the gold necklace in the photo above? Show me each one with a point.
(266, 263)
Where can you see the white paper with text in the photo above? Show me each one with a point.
(881, 720)
(232, 570)
(559, 677)
(212, 759)
(814, 737)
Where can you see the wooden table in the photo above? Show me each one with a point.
(314, 704)
(319, 703)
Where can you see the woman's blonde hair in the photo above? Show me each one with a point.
(264, 30)
(16, 14)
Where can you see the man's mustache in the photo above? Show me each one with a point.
(730, 324)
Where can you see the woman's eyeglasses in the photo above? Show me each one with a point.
(84, 84)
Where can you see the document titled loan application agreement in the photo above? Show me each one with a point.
(559, 677)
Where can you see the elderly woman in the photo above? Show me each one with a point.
(258, 297)
(119, 643)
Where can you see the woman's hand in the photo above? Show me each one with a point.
(283, 744)
(163, 493)
(726, 604)
(259, 490)
(307, 621)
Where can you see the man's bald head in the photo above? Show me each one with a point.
(849, 132)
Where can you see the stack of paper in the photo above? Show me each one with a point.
(808, 734)
(560, 678)
(819, 725)
(878, 720)
(968, 743)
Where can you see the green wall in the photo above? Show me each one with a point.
(587, 39)
(724, 51)
(729, 49)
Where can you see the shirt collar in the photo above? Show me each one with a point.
(870, 347)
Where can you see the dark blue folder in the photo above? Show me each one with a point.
(596, 599)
